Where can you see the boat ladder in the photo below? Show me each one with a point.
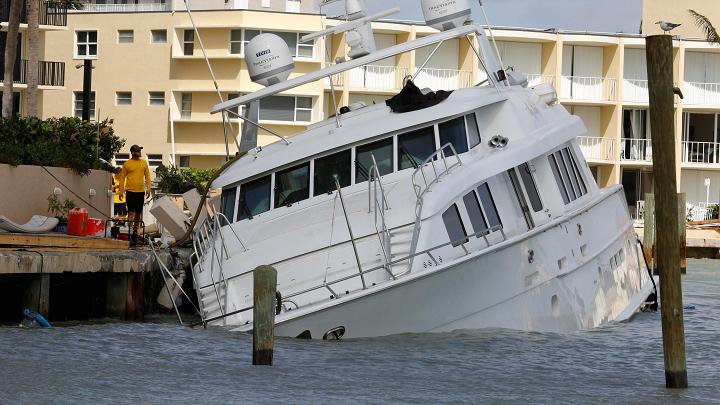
(377, 205)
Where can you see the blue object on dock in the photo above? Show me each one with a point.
(32, 316)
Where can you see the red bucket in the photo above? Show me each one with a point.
(77, 222)
(95, 226)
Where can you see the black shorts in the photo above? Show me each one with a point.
(135, 201)
(120, 209)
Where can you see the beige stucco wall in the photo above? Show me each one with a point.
(25, 190)
(676, 11)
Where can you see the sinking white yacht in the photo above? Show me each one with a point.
(434, 212)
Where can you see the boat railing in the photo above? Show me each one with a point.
(378, 206)
(422, 181)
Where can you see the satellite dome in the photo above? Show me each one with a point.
(445, 15)
(268, 59)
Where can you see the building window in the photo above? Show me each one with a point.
(126, 36)
(454, 226)
(157, 98)
(158, 36)
(86, 44)
(154, 160)
(292, 39)
(188, 42)
(121, 158)
(292, 6)
(186, 106)
(303, 109)
(79, 104)
(123, 98)
(184, 161)
(236, 42)
(265, 3)
(286, 108)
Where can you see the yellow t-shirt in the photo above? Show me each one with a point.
(133, 172)
(119, 198)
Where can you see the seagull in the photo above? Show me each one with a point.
(667, 26)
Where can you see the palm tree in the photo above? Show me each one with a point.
(702, 22)
(33, 31)
(10, 55)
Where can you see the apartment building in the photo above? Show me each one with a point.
(151, 77)
(51, 73)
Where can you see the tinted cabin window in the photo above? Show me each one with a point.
(530, 187)
(473, 132)
(576, 170)
(383, 152)
(453, 132)
(414, 147)
(454, 226)
(227, 202)
(567, 175)
(488, 204)
(475, 213)
(558, 178)
(292, 185)
(336, 164)
(254, 198)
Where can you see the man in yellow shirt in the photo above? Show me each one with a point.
(135, 185)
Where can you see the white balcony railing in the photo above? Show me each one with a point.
(377, 77)
(337, 80)
(124, 8)
(597, 148)
(588, 88)
(639, 150)
(702, 93)
(236, 5)
(444, 79)
(534, 80)
(700, 152)
(635, 90)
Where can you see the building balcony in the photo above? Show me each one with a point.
(598, 89)
(635, 91)
(50, 14)
(377, 77)
(597, 148)
(50, 74)
(635, 150)
(534, 79)
(701, 93)
(444, 79)
(147, 6)
(338, 81)
(702, 153)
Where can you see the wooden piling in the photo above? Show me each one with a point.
(264, 288)
(37, 295)
(660, 84)
(649, 232)
(682, 229)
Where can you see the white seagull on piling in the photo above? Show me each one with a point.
(667, 26)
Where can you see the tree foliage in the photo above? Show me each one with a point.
(58, 142)
(173, 180)
(702, 22)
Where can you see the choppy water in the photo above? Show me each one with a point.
(163, 362)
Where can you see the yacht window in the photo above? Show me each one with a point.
(522, 201)
(473, 132)
(571, 173)
(488, 204)
(454, 226)
(565, 174)
(581, 182)
(325, 167)
(558, 178)
(227, 202)
(254, 198)
(530, 187)
(382, 151)
(453, 132)
(292, 185)
(414, 147)
(475, 213)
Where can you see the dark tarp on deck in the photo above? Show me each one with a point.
(411, 98)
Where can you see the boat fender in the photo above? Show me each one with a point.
(31, 318)
(278, 302)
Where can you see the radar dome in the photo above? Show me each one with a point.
(268, 59)
(445, 15)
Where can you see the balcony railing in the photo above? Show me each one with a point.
(700, 152)
(597, 148)
(635, 91)
(638, 150)
(534, 80)
(49, 73)
(702, 93)
(124, 8)
(377, 77)
(588, 88)
(55, 15)
(444, 79)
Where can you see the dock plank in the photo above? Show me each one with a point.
(61, 241)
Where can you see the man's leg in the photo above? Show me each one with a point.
(132, 231)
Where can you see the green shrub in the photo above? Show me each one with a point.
(58, 142)
(715, 210)
(60, 210)
(173, 180)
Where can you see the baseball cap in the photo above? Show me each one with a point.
(135, 148)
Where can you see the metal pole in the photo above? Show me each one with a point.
(352, 238)
(87, 85)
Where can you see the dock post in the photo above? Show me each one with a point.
(682, 228)
(264, 287)
(649, 232)
(37, 295)
(135, 299)
(660, 84)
